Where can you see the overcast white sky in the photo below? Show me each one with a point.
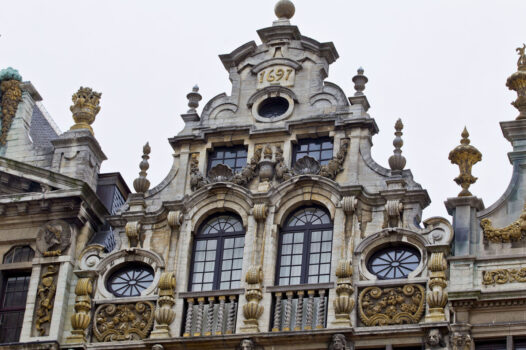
(438, 65)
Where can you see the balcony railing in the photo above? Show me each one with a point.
(301, 307)
(210, 313)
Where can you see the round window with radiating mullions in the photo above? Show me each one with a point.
(130, 280)
(394, 262)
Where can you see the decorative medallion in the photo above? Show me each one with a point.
(53, 238)
(393, 305)
(306, 165)
(118, 322)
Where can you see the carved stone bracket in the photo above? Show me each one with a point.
(392, 305)
(260, 211)
(393, 213)
(461, 341)
(511, 233)
(121, 322)
(165, 314)
(437, 295)
(252, 310)
(133, 232)
(175, 218)
(343, 303)
(349, 204)
(81, 319)
(503, 276)
(45, 300)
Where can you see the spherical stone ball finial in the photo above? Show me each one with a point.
(284, 9)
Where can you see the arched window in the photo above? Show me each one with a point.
(305, 248)
(19, 254)
(218, 254)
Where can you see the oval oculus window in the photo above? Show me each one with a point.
(394, 262)
(273, 107)
(130, 280)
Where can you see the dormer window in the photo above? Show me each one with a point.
(234, 157)
(320, 149)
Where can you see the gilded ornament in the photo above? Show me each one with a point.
(392, 305)
(81, 319)
(165, 314)
(85, 108)
(252, 310)
(511, 233)
(503, 276)
(11, 95)
(123, 322)
(343, 303)
(437, 295)
(517, 82)
(465, 156)
(45, 299)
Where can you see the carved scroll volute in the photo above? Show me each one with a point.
(252, 311)
(394, 210)
(133, 232)
(81, 319)
(260, 211)
(349, 204)
(164, 313)
(437, 294)
(343, 303)
(175, 218)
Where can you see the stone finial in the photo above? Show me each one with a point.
(359, 81)
(284, 9)
(193, 99)
(142, 184)
(465, 156)
(397, 160)
(85, 108)
(517, 82)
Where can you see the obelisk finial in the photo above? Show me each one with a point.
(85, 108)
(465, 156)
(397, 160)
(142, 184)
(517, 82)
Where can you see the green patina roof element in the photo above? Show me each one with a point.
(10, 73)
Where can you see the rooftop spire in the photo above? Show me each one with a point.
(517, 82)
(397, 160)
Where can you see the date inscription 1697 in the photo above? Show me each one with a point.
(276, 75)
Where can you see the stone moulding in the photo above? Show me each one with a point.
(514, 232)
(392, 305)
(121, 322)
(503, 276)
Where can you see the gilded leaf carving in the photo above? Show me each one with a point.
(511, 233)
(118, 322)
(392, 305)
(503, 276)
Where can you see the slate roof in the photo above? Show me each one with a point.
(41, 131)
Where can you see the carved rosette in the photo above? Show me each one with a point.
(343, 303)
(120, 322)
(85, 108)
(165, 314)
(465, 156)
(511, 233)
(46, 299)
(81, 319)
(11, 95)
(392, 305)
(503, 276)
(252, 310)
(437, 295)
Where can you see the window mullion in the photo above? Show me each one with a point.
(306, 255)
(219, 261)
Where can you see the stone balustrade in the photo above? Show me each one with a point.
(210, 313)
(301, 307)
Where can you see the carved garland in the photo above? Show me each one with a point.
(511, 233)
(393, 305)
(118, 322)
(503, 276)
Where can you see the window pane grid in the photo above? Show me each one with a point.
(19, 254)
(12, 308)
(319, 149)
(233, 157)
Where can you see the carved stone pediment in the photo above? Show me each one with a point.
(306, 165)
(54, 238)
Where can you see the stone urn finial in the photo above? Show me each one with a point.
(359, 81)
(193, 99)
(142, 184)
(397, 160)
(465, 156)
(284, 9)
(85, 108)
(517, 82)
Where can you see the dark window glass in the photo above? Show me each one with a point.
(19, 254)
(273, 107)
(130, 280)
(305, 248)
(519, 344)
(319, 149)
(12, 307)
(218, 254)
(234, 157)
(491, 345)
(394, 262)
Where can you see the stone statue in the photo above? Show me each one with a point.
(434, 338)
(339, 342)
(54, 238)
(246, 344)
